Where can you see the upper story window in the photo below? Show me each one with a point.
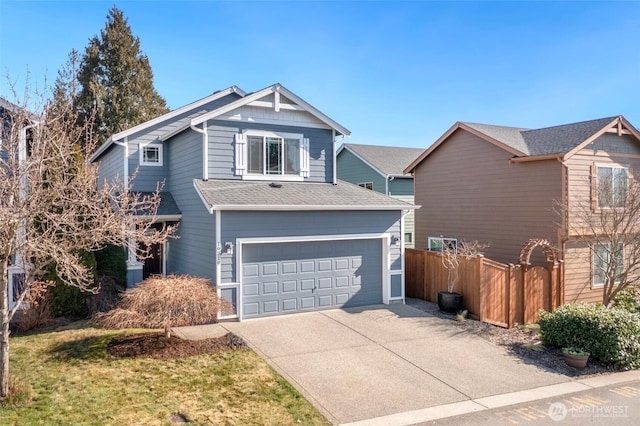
(368, 185)
(151, 155)
(612, 186)
(269, 155)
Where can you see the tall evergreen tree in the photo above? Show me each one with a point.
(116, 80)
(66, 88)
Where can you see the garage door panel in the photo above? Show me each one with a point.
(281, 278)
(289, 286)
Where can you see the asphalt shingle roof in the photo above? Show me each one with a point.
(239, 194)
(550, 140)
(167, 206)
(390, 160)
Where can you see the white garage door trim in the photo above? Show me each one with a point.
(385, 240)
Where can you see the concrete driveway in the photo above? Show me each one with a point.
(389, 363)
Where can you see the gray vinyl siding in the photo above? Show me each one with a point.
(194, 251)
(111, 165)
(401, 186)
(353, 169)
(147, 177)
(409, 219)
(468, 190)
(247, 224)
(222, 148)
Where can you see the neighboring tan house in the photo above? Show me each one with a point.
(380, 168)
(251, 180)
(502, 185)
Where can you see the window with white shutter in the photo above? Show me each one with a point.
(266, 155)
(241, 154)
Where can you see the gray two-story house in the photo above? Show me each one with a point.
(381, 169)
(250, 178)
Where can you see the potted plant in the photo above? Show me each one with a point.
(452, 255)
(575, 357)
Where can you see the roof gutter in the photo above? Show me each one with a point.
(535, 158)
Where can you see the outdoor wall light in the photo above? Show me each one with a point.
(228, 247)
(395, 240)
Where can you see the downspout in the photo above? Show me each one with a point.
(335, 155)
(205, 150)
(216, 212)
(125, 145)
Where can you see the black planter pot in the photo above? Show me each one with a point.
(449, 302)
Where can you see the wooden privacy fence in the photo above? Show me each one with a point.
(493, 292)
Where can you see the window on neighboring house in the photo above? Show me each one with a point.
(368, 185)
(408, 237)
(268, 154)
(151, 155)
(601, 255)
(612, 186)
(439, 243)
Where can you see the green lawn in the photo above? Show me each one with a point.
(70, 379)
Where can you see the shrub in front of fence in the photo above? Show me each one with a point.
(611, 335)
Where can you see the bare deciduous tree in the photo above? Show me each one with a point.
(51, 210)
(609, 225)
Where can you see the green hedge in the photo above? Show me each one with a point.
(611, 335)
(111, 261)
(628, 299)
(68, 301)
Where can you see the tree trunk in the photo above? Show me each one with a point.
(4, 336)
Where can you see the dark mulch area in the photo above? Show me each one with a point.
(156, 345)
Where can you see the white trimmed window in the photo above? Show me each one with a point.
(268, 155)
(368, 185)
(613, 183)
(151, 155)
(602, 254)
(408, 237)
(439, 243)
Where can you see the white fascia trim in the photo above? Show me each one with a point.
(305, 238)
(264, 92)
(279, 122)
(309, 207)
(167, 116)
(209, 208)
(162, 218)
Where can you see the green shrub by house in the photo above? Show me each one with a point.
(111, 261)
(628, 299)
(610, 335)
(68, 301)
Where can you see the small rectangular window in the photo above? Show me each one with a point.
(408, 237)
(368, 185)
(439, 244)
(151, 155)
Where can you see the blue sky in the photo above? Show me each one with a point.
(394, 73)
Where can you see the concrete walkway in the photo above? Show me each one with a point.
(393, 364)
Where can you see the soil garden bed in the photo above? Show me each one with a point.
(156, 345)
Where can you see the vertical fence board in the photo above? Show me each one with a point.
(496, 293)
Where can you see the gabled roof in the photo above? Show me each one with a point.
(292, 196)
(275, 89)
(387, 160)
(165, 117)
(535, 144)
